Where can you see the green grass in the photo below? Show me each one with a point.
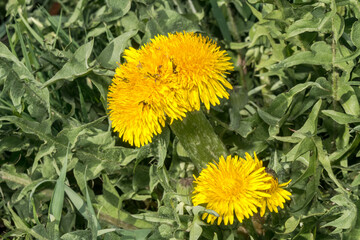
(65, 175)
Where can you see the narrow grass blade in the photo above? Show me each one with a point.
(84, 208)
(23, 47)
(38, 38)
(92, 220)
(10, 41)
(221, 20)
(58, 29)
(78, 202)
(82, 105)
(57, 200)
(62, 34)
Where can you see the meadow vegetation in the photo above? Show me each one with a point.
(295, 102)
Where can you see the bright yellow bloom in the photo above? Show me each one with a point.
(234, 186)
(277, 198)
(199, 65)
(140, 97)
(164, 79)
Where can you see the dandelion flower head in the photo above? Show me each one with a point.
(199, 65)
(140, 97)
(237, 186)
(164, 79)
(278, 196)
(233, 186)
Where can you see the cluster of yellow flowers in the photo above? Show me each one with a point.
(169, 77)
(240, 186)
(165, 78)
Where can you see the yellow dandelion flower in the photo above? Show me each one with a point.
(234, 186)
(199, 65)
(278, 196)
(158, 70)
(140, 97)
(164, 79)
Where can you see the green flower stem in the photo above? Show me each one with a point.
(198, 138)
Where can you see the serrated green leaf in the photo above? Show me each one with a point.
(77, 235)
(16, 93)
(355, 34)
(346, 151)
(356, 181)
(76, 13)
(154, 180)
(44, 150)
(317, 23)
(238, 100)
(130, 22)
(311, 169)
(195, 231)
(354, 232)
(320, 54)
(142, 154)
(299, 149)
(348, 213)
(12, 143)
(40, 229)
(159, 146)
(291, 224)
(282, 102)
(21, 80)
(76, 67)
(348, 99)
(325, 162)
(341, 118)
(119, 217)
(109, 192)
(311, 124)
(140, 178)
(138, 234)
(110, 56)
(268, 118)
(115, 10)
(238, 46)
(72, 133)
(167, 21)
(14, 179)
(19, 223)
(24, 191)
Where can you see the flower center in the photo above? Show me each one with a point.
(231, 188)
